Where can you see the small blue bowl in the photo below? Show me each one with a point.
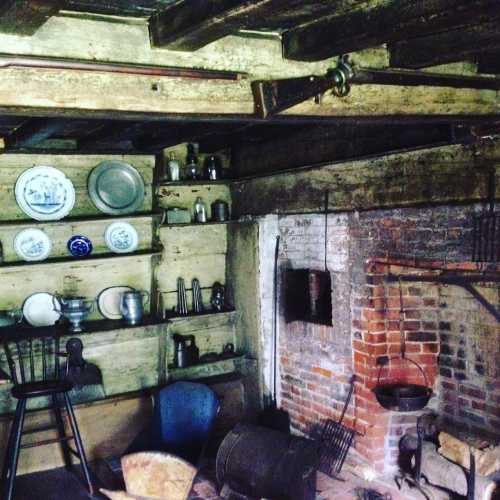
(79, 246)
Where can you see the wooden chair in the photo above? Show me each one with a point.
(35, 371)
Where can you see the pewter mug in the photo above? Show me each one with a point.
(132, 305)
(10, 317)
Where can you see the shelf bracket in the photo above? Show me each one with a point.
(463, 281)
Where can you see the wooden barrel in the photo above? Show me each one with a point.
(265, 463)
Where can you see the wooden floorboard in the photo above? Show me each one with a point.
(60, 484)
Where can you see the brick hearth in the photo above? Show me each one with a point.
(448, 333)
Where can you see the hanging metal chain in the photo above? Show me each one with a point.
(402, 340)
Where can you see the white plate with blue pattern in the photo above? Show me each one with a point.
(32, 244)
(45, 193)
(121, 237)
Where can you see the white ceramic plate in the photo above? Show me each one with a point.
(109, 300)
(41, 309)
(32, 244)
(121, 237)
(45, 193)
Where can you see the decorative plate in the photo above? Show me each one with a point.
(32, 244)
(41, 309)
(79, 246)
(109, 300)
(121, 237)
(116, 187)
(45, 193)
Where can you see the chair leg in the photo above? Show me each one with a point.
(78, 442)
(10, 472)
(56, 403)
(8, 451)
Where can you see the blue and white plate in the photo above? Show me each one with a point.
(121, 237)
(45, 193)
(32, 244)
(79, 246)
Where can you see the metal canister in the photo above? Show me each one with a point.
(220, 211)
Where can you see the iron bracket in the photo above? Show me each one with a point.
(464, 281)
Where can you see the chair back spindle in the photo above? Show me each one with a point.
(33, 359)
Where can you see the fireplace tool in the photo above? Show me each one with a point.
(402, 396)
(336, 439)
(486, 232)
(273, 417)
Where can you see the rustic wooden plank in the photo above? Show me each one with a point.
(77, 168)
(119, 420)
(319, 144)
(180, 242)
(186, 27)
(73, 277)
(206, 268)
(60, 232)
(204, 370)
(97, 90)
(25, 17)
(243, 268)
(441, 174)
(184, 196)
(446, 47)
(376, 23)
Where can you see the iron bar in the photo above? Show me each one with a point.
(15, 61)
(458, 280)
(412, 78)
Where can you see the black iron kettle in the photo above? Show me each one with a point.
(400, 396)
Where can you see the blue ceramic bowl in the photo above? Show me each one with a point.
(79, 246)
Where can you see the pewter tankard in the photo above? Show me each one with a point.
(132, 305)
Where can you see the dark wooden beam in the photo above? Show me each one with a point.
(192, 24)
(450, 46)
(159, 138)
(35, 131)
(489, 62)
(390, 21)
(24, 17)
(320, 144)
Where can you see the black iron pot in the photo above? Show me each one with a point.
(403, 397)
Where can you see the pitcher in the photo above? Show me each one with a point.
(132, 305)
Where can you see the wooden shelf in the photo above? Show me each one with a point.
(71, 259)
(203, 370)
(23, 330)
(25, 223)
(177, 319)
(203, 182)
(197, 224)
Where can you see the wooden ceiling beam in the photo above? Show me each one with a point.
(188, 26)
(389, 21)
(172, 134)
(24, 17)
(446, 47)
(35, 131)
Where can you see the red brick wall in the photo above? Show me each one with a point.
(376, 338)
(317, 361)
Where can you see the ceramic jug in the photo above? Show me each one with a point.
(132, 305)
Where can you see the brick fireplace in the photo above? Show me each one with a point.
(448, 333)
